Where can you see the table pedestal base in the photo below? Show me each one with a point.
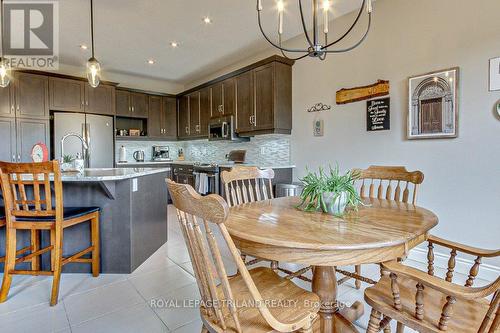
(333, 318)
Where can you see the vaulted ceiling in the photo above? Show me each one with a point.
(129, 32)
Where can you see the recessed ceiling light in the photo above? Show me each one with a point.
(151, 61)
(174, 44)
(207, 20)
(84, 47)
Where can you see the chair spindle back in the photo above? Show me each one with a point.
(27, 191)
(389, 182)
(247, 184)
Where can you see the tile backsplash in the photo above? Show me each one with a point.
(264, 149)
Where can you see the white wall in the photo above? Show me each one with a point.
(408, 37)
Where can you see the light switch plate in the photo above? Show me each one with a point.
(135, 187)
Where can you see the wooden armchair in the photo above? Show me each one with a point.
(238, 303)
(427, 303)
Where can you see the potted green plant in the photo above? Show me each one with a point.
(329, 191)
(67, 163)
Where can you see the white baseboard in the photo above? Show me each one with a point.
(463, 266)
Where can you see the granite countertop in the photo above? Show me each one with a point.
(110, 174)
(224, 164)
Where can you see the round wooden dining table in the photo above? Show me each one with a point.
(378, 231)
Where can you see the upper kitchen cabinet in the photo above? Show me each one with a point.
(139, 104)
(162, 119)
(100, 100)
(155, 127)
(272, 103)
(66, 95)
(205, 111)
(169, 117)
(183, 117)
(31, 95)
(194, 114)
(245, 102)
(223, 98)
(7, 105)
(131, 104)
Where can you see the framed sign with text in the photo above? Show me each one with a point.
(378, 117)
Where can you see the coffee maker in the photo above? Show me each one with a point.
(161, 153)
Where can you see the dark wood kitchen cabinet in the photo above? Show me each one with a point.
(8, 135)
(66, 95)
(272, 101)
(162, 119)
(28, 133)
(7, 105)
(131, 104)
(183, 118)
(245, 102)
(205, 113)
(194, 114)
(169, 117)
(223, 98)
(31, 92)
(100, 100)
(77, 96)
(155, 128)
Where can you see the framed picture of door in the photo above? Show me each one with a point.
(433, 105)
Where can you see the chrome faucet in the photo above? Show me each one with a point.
(85, 146)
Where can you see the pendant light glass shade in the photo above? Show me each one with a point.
(4, 73)
(93, 72)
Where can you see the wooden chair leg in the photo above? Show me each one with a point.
(95, 243)
(400, 328)
(35, 246)
(52, 252)
(374, 323)
(57, 266)
(357, 283)
(10, 263)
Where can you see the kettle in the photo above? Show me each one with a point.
(139, 155)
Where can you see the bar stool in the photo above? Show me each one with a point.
(31, 204)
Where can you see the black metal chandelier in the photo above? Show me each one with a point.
(316, 48)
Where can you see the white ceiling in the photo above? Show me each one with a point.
(129, 32)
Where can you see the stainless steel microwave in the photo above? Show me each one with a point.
(224, 128)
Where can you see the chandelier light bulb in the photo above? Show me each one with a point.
(326, 8)
(259, 5)
(281, 6)
(369, 7)
(326, 5)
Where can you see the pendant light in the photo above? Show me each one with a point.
(4, 66)
(93, 66)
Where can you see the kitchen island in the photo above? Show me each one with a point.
(133, 223)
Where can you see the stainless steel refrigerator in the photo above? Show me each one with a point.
(96, 130)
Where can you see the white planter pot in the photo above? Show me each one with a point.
(335, 205)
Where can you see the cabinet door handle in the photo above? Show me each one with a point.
(13, 158)
(87, 103)
(133, 109)
(222, 108)
(19, 157)
(250, 120)
(13, 109)
(187, 130)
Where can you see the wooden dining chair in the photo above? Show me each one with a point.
(427, 303)
(248, 184)
(386, 182)
(239, 303)
(33, 202)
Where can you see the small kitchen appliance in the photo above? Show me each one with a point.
(138, 155)
(122, 156)
(161, 154)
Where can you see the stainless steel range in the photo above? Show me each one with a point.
(206, 177)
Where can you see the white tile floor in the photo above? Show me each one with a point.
(122, 303)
